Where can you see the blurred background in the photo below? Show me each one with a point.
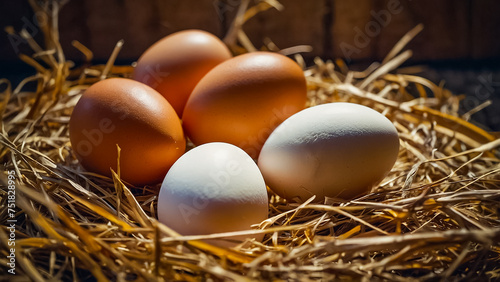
(460, 43)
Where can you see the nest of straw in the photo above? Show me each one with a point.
(434, 217)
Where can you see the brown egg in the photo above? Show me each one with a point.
(242, 100)
(174, 65)
(134, 116)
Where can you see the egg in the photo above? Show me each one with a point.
(337, 150)
(124, 112)
(174, 65)
(213, 188)
(242, 100)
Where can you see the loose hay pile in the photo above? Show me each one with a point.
(434, 217)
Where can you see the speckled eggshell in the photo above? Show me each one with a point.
(242, 100)
(213, 188)
(175, 64)
(338, 150)
(134, 116)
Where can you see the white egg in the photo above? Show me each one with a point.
(338, 150)
(213, 188)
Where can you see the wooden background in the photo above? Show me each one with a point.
(460, 41)
(454, 29)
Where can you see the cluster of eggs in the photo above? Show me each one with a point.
(246, 115)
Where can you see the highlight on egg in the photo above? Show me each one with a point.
(213, 188)
(175, 64)
(338, 150)
(132, 115)
(242, 100)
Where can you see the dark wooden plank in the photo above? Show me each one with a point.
(299, 23)
(348, 35)
(485, 29)
(446, 28)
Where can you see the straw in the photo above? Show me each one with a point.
(434, 217)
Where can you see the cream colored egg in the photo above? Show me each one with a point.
(338, 150)
(213, 188)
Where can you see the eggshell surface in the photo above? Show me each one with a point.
(174, 65)
(337, 150)
(242, 100)
(124, 112)
(213, 188)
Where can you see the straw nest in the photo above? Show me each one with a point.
(434, 217)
